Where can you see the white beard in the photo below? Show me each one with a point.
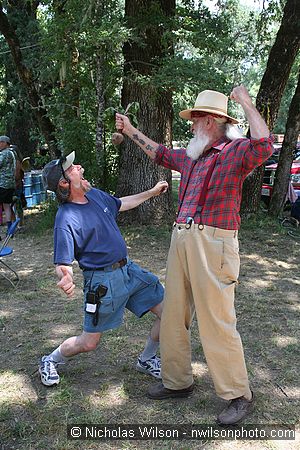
(197, 145)
(201, 140)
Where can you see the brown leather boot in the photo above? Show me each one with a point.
(160, 392)
(236, 410)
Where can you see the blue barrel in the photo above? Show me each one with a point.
(43, 190)
(34, 190)
(27, 184)
(29, 201)
(36, 183)
(37, 187)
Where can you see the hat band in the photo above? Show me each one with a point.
(211, 107)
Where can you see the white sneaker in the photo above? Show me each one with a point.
(48, 372)
(151, 366)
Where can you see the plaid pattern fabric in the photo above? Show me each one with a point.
(236, 160)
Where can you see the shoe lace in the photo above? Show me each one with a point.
(51, 366)
(155, 362)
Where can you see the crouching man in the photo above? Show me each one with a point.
(86, 230)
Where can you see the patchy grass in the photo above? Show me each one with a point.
(103, 387)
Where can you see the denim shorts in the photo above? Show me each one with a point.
(128, 287)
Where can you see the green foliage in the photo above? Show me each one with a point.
(44, 221)
(261, 221)
(207, 48)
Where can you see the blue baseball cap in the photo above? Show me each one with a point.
(54, 171)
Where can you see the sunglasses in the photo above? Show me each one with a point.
(196, 114)
(61, 160)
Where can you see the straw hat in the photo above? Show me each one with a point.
(212, 102)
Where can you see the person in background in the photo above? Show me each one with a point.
(203, 262)
(19, 198)
(7, 177)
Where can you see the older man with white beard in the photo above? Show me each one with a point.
(203, 262)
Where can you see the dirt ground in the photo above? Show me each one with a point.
(103, 387)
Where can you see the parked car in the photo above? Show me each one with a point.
(269, 177)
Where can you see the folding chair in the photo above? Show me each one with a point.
(6, 251)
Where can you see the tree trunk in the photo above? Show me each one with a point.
(100, 139)
(45, 124)
(21, 124)
(97, 14)
(143, 57)
(281, 58)
(282, 177)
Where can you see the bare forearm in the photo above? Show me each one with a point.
(132, 201)
(146, 144)
(258, 127)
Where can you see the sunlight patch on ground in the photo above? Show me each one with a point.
(266, 261)
(6, 314)
(284, 341)
(199, 369)
(115, 395)
(15, 388)
(262, 283)
(25, 271)
(283, 264)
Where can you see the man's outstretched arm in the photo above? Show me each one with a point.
(147, 145)
(131, 201)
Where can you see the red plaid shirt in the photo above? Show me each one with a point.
(222, 204)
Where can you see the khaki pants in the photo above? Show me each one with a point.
(202, 269)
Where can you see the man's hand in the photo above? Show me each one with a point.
(240, 95)
(258, 127)
(123, 124)
(66, 283)
(160, 188)
(132, 201)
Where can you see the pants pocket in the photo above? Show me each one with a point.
(143, 275)
(230, 261)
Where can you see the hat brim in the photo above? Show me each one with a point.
(69, 161)
(187, 114)
(26, 166)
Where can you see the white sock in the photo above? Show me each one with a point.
(150, 349)
(57, 356)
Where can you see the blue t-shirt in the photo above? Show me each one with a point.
(89, 232)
